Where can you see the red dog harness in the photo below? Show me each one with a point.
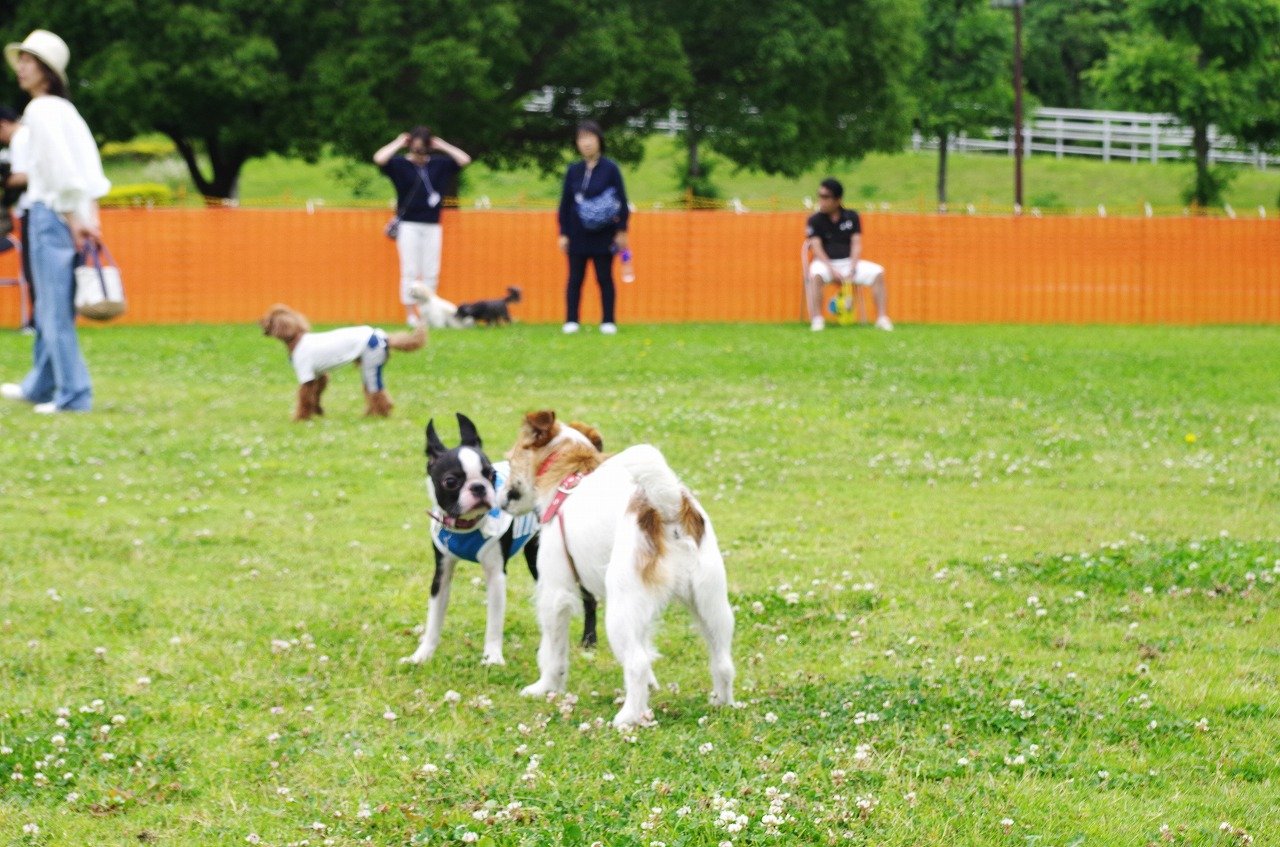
(563, 490)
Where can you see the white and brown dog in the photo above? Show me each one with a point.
(314, 354)
(628, 532)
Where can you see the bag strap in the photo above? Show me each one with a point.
(98, 249)
(400, 208)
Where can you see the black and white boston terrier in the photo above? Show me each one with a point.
(467, 525)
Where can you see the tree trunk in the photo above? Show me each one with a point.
(943, 141)
(1204, 193)
(224, 182)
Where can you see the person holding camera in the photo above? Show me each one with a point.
(421, 180)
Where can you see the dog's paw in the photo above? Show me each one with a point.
(633, 717)
(492, 659)
(538, 689)
(418, 657)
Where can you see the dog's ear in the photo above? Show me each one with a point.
(435, 447)
(592, 434)
(470, 438)
(541, 426)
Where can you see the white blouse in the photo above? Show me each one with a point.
(64, 169)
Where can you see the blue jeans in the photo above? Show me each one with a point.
(58, 372)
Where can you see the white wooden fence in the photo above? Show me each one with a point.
(1111, 136)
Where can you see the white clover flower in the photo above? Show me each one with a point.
(389, 715)
(58, 740)
(770, 717)
(452, 697)
(253, 838)
(706, 747)
(30, 829)
(470, 837)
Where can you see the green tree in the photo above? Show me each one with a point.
(780, 86)
(469, 70)
(1063, 40)
(227, 80)
(963, 83)
(1208, 62)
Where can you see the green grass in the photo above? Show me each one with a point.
(982, 574)
(904, 180)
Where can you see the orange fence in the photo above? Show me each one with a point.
(197, 265)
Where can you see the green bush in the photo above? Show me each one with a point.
(138, 150)
(138, 194)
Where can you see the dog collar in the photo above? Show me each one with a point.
(456, 523)
(546, 463)
(563, 490)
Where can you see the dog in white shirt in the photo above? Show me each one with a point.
(314, 354)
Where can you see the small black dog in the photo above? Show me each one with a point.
(491, 312)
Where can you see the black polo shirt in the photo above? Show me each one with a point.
(412, 191)
(837, 235)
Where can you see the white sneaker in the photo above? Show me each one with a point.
(570, 328)
(44, 408)
(12, 391)
(884, 323)
(817, 324)
(608, 329)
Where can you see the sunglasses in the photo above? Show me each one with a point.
(823, 195)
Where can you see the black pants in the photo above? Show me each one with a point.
(578, 273)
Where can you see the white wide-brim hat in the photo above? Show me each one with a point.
(46, 47)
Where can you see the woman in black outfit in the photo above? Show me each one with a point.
(596, 182)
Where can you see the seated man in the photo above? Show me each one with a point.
(835, 243)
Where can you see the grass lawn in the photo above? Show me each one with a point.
(903, 180)
(994, 585)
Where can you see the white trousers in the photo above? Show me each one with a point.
(419, 248)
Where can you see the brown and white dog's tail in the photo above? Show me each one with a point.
(661, 505)
(408, 341)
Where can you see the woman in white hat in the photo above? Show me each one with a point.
(64, 182)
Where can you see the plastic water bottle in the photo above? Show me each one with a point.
(628, 269)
